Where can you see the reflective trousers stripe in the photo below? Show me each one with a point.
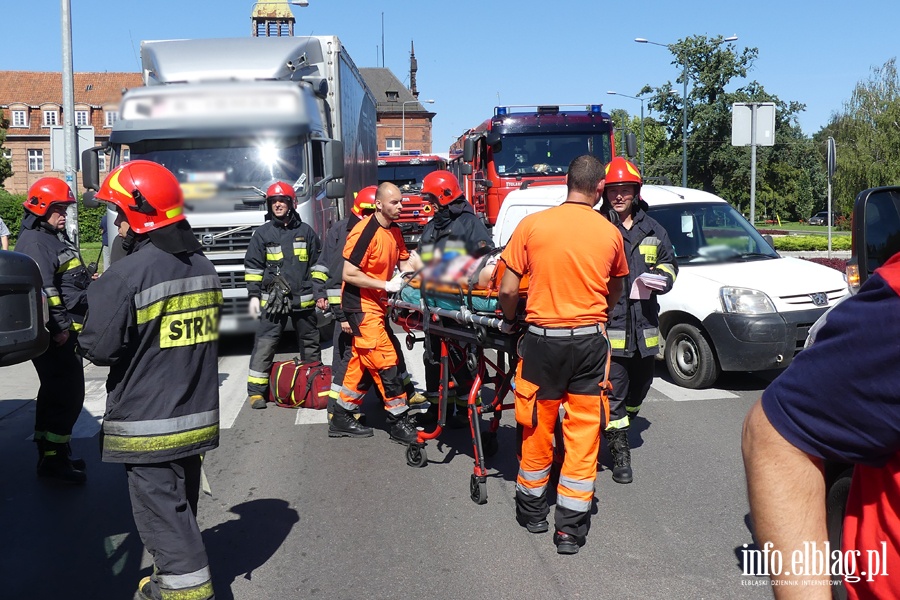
(619, 423)
(180, 583)
(162, 426)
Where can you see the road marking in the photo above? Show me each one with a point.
(88, 423)
(311, 416)
(680, 394)
(232, 388)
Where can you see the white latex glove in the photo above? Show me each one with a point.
(253, 308)
(393, 286)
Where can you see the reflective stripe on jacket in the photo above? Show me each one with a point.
(633, 326)
(157, 328)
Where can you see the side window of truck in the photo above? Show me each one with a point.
(318, 161)
(882, 223)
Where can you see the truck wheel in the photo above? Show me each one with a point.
(690, 358)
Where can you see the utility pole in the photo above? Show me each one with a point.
(71, 149)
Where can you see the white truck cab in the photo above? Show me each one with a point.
(736, 304)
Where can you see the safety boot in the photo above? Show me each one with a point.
(566, 543)
(344, 424)
(78, 463)
(55, 464)
(617, 440)
(256, 401)
(418, 403)
(401, 429)
(145, 589)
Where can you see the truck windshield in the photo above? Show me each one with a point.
(711, 232)
(207, 167)
(547, 154)
(405, 176)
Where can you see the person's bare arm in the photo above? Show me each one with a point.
(4, 242)
(786, 490)
(615, 286)
(352, 274)
(508, 294)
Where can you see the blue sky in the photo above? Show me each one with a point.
(472, 52)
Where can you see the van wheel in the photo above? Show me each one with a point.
(690, 358)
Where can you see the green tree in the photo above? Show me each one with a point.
(867, 137)
(5, 166)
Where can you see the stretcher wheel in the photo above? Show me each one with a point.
(416, 456)
(410, 342)
(480, 335)
(489, 443)
(478, 489)
(472, 362)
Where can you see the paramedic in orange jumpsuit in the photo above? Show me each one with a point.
(564, 348)
(374, 248)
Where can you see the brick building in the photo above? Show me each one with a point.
(31, 103)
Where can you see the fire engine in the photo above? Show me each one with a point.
(525, 145)
(406, 169)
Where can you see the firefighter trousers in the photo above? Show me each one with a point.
(631, 379)
(267, 335)
(60, 397)
(164, 500)
(556, 372)
(373, 359)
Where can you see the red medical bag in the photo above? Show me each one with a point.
(296, 384)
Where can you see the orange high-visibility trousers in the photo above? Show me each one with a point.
(373, 359)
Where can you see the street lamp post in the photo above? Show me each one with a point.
(403, 120)
(642, 125)
(684, 76)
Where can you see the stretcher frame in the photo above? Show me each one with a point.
(472, 333)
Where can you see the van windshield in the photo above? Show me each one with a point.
(705, 232)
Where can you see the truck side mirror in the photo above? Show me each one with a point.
(334, 159)
(468, 150)
(23, 309)
(88, 200)
(876, 229)
(465, 169)
(334, 189)
(493, 138)
(631, 145)
(90, 167)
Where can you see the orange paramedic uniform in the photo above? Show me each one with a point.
(375, 250)
(569, 252)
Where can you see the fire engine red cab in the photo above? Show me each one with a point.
(522, 146)
(406, 169)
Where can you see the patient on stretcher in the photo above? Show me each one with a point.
(460, 269)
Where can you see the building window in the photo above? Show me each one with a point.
(101, 160)
(109, 117)
(19, 118)
(36, 161)
(392, 144)
(126, 154)
(51, 118)
(7, 154)
(392, 96)
(81, 118)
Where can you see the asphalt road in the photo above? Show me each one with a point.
(295, 514)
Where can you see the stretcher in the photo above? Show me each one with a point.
(467, 322)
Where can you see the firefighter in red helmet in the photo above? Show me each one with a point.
(327, 281)
(153, 319)
(278, 271)
(454, 230)
(65, 281)
(633, 326)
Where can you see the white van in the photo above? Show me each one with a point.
(736, 305)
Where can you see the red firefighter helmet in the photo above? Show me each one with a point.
(443, 186)
(146, 192)
(280, 189)
(620, 171)
(364, 201)
(46, 191)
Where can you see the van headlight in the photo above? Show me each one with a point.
(744, 301)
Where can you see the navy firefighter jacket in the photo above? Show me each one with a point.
(289, 249)
(64, 277)
(633, 325)
(153, 318)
